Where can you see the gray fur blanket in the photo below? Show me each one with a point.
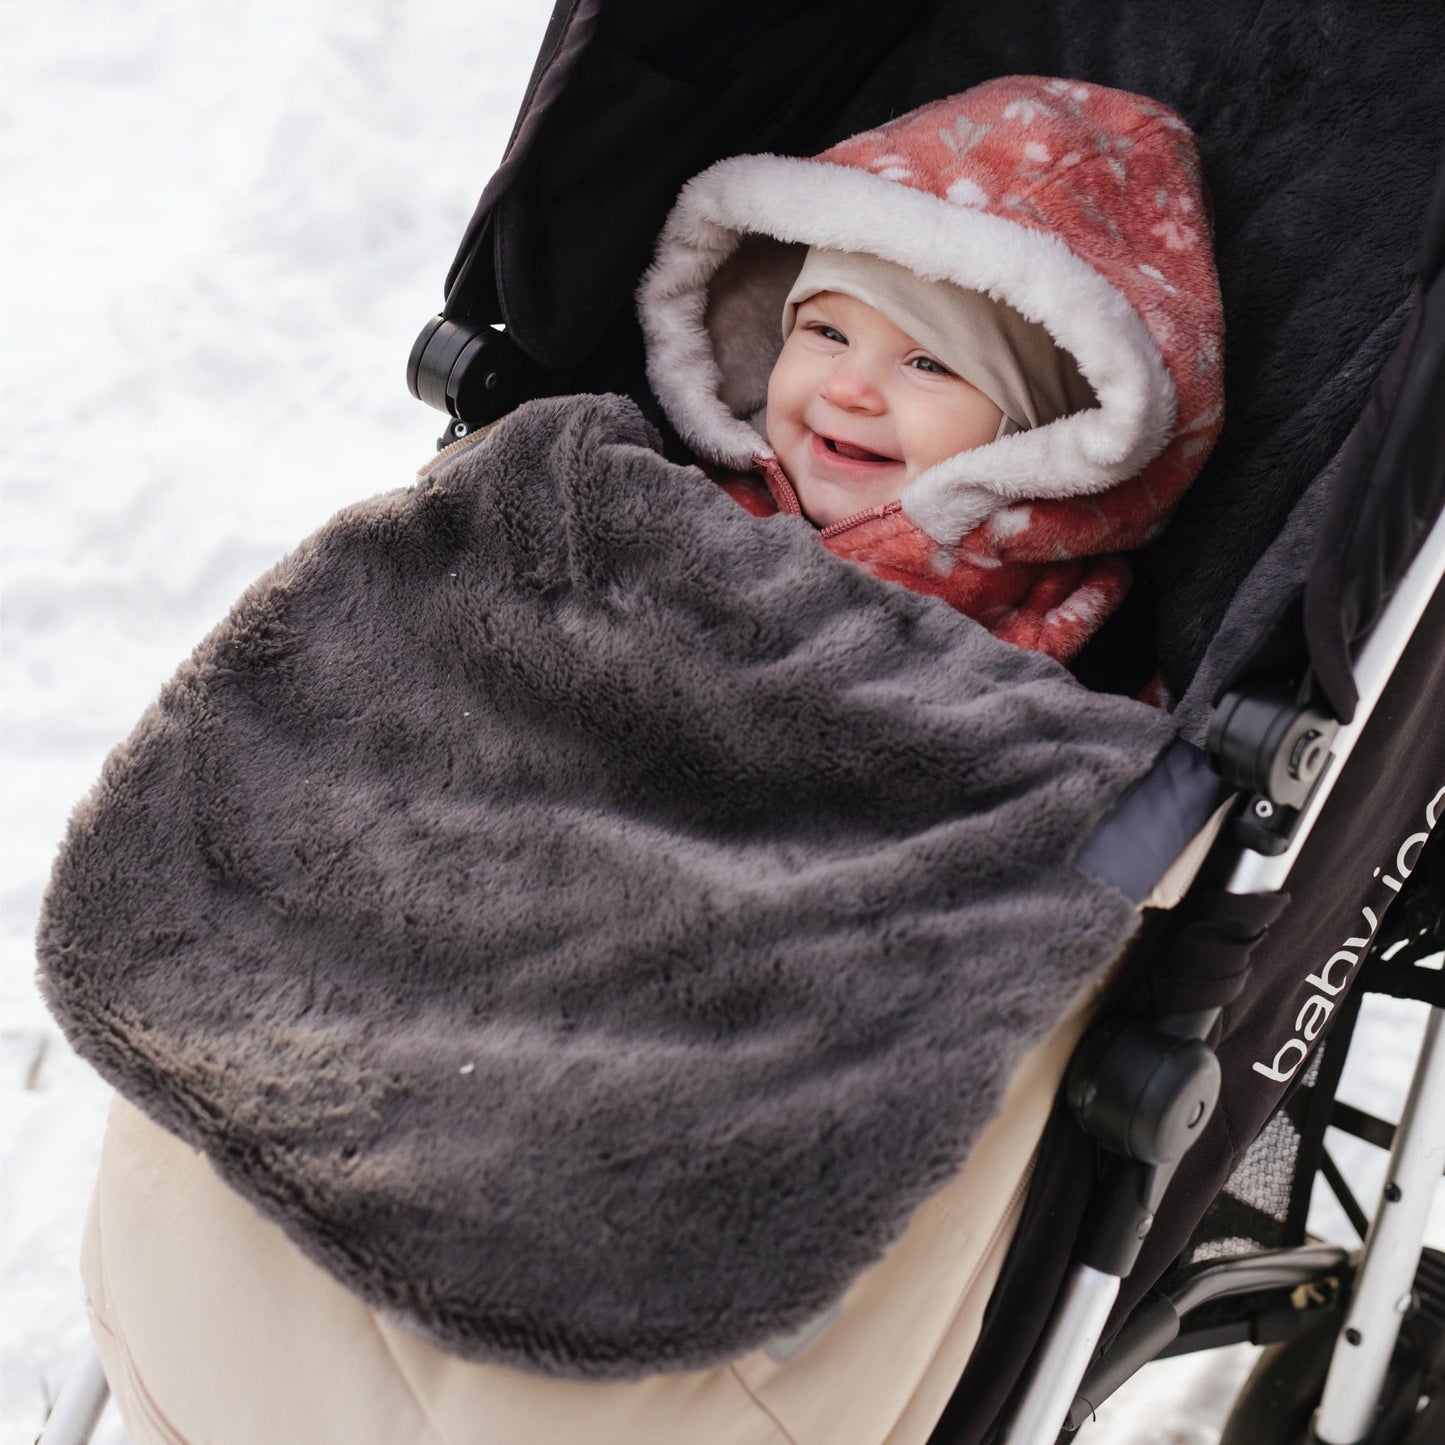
(587, 918)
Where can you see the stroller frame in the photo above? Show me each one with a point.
(1057, 1391)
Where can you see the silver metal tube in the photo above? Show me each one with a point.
(79, 1405)
(1069, 1342)
(1392, 1253)
(1256, 873)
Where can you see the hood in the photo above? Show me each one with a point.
(1080, 206)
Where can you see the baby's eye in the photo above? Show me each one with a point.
(927, 363)
(828, 333)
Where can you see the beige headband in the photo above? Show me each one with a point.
(1014, 362)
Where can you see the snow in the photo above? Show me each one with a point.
(223, 228)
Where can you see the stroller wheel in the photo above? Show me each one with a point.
(1429, 1423)
(1279, 1397)
(1278, 1400)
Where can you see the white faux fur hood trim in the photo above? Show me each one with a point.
(818, 203)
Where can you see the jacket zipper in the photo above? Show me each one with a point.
(787, 500)
(780, 488)
(887, 509)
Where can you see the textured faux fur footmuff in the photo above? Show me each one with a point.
(588, 919)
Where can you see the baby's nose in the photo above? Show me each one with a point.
(852, 384)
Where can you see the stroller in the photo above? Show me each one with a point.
(1297, 603)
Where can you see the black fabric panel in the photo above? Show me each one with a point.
(569, 33)
(1414, 931)
(1206, 960)
(1261, 637)
(1395, 779)
(1119, 657)
(1391, 488)
(660, 92)
(1387, 490)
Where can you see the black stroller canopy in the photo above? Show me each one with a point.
(1321, 126)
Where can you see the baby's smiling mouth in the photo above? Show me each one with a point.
(847, 451)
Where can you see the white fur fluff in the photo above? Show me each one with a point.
(846, 209)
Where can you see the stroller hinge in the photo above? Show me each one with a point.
(1276, 749)
(1145, 1094)
(1145, 1089)
(471, 369)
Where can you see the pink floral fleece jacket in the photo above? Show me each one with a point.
(1082, 207)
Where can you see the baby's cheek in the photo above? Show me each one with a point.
(768, 423)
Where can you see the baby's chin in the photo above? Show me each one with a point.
(826, 502)
(829, 498)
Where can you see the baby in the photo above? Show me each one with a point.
(1000, 344)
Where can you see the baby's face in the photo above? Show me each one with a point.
(857, 409)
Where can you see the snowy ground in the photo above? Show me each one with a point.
(223, 227)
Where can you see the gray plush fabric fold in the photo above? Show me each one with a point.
(587, 918)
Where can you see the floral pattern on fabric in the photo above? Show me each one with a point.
(1116, 177)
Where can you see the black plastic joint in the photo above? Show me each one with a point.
(1270, 745)
(1142, 1093)
(472, 370)
(1121, 1214)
